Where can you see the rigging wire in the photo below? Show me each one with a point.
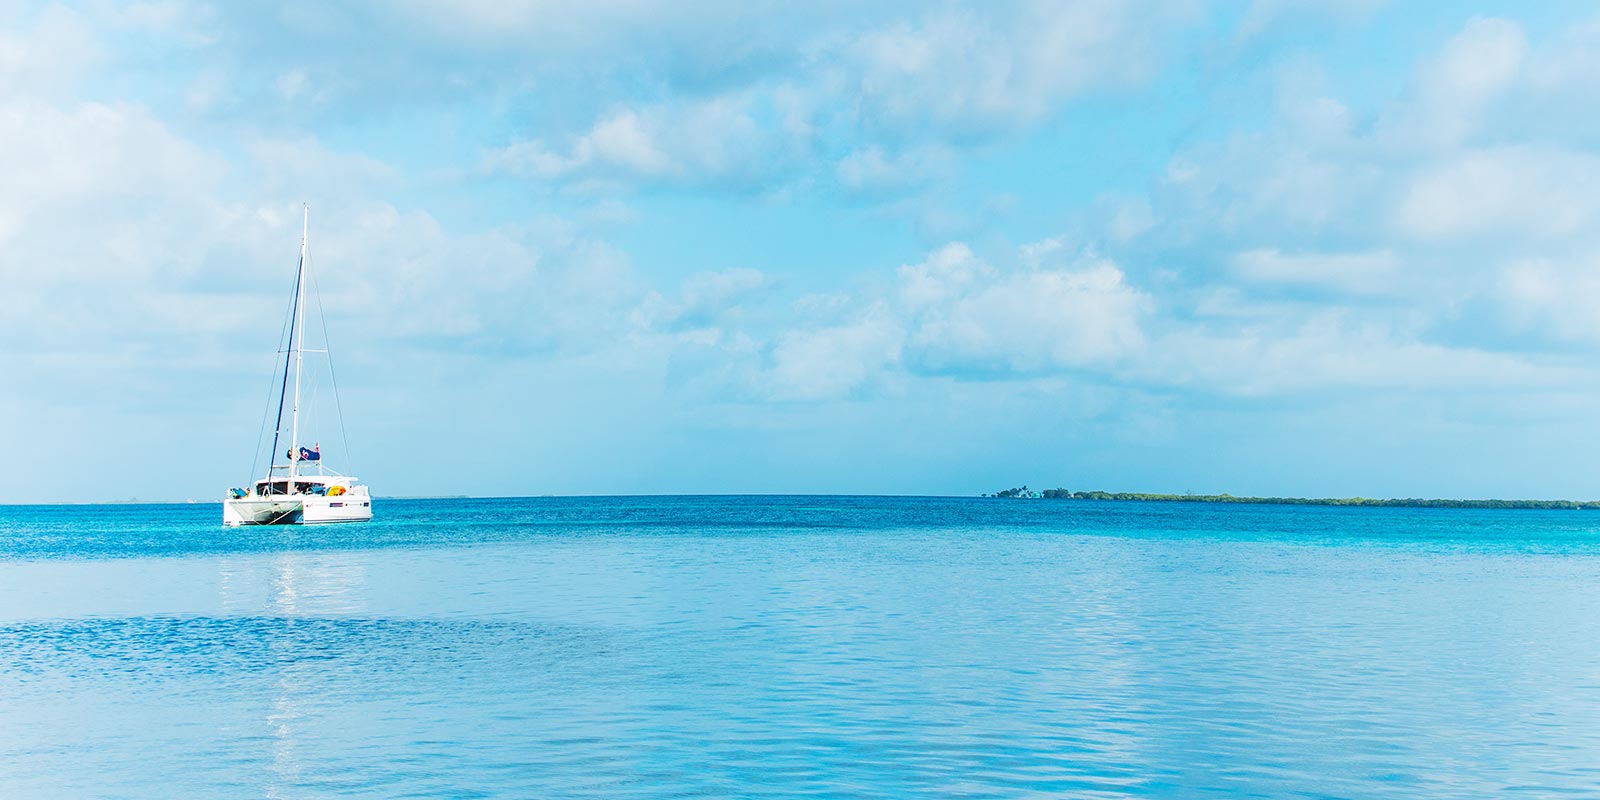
(333, 377)
(284, 389)
(261, 433)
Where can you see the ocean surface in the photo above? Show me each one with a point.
(777, 647)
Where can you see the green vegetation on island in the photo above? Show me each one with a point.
(1023, 492)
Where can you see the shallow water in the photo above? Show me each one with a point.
(804, 646)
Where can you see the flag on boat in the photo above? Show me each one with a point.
(307, 454)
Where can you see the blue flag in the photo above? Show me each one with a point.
(311, 455)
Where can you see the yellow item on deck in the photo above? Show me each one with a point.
(335, 491)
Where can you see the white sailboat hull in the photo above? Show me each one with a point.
(317, 510)
(306, 493)
(296, 510)
(260, 511)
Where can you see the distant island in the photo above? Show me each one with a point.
(1023, 492)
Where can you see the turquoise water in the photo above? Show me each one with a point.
(801, 647)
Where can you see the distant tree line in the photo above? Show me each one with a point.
(1017, 491)
(1410, 502)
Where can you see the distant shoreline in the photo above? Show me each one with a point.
(1019, 493)
(1024, 492)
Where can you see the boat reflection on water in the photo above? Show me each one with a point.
(311, 603)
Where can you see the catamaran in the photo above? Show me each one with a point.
(302, 490)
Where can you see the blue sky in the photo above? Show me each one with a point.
(1311, 247)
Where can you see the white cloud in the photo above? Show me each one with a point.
(563, 25)
(191, 22)
(291, 84)
(1559, 299)
(526, 159)
(1263, 14)
(1269, 184)
(1130, 218)
(706, 141)
(706, 299)
(947, 273)
(825, 363)
(1322, 170)
(123, 237)
(1522, 192)
(1033, 321)
(1330, 351)
(885, 103)
(408, 281)
(706, 292)
(1313, 201)
(1453, 91)
(955, 314)
(208, 89)
(1476, 64)
(1568, 66)
(1420, 202)
(304, 167)
(1423, 227)
(972, 73)
(88, 186)
(1366, 273)
(874, 171)
(47, 54)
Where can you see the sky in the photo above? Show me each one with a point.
(1280, 247)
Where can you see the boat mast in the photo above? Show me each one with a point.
(299, 347)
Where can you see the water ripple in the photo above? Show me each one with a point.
(701, 652)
